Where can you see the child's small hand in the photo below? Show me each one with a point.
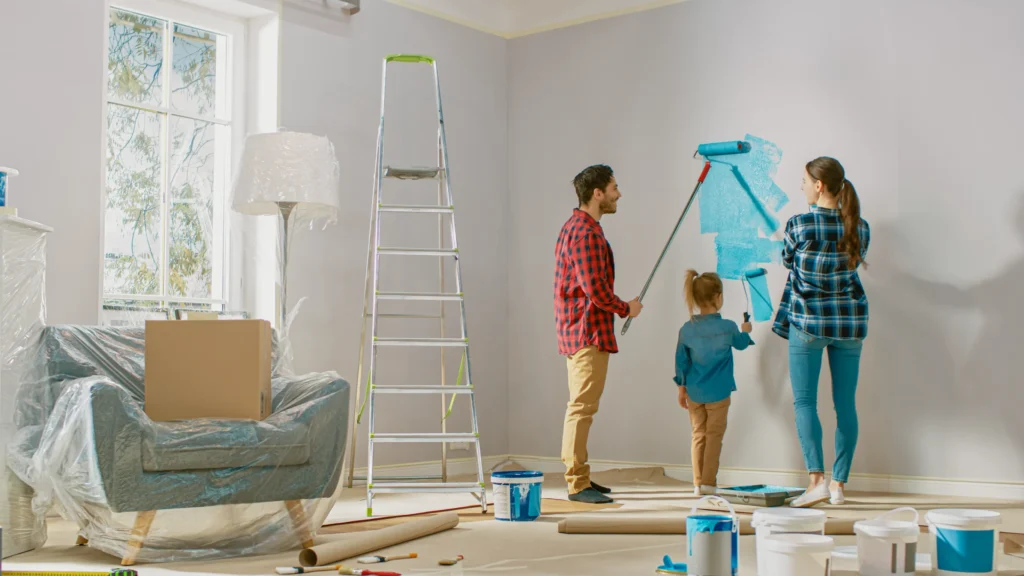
(747, 327)
(683, 398)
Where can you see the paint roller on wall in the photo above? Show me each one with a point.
(758, 296)
(708, 151)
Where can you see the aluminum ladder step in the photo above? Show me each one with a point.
(451, 487)
(416, 251)
(448, 342)
(412, 173)
(417, 209)
(392, 437)
(423, 296)
(422, 389)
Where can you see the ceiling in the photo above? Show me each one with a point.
(514, 18)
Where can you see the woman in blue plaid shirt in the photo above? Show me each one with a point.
(824, 308)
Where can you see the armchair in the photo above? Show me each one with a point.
(163, 491)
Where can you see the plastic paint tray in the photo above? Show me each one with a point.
(759, 495)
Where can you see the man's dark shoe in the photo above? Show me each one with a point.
(600, 488)
(590, 496)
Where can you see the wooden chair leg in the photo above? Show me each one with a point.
(81, 541)
(301, 523)
(143, 521)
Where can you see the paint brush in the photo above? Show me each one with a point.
(361, 572)
(301, 570)
(378, 559)
(451, 561)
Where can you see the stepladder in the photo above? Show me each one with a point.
(392, 334)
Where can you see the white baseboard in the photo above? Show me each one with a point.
(731, 476)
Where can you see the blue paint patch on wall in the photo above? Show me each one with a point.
(738, 201)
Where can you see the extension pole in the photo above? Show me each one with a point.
(703, 174)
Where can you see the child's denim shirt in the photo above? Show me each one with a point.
(704, 357)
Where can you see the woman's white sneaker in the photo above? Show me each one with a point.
(837, 496)
(812, 497)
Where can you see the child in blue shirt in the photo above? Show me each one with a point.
(704, 373)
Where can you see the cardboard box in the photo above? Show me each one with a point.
(207, 369)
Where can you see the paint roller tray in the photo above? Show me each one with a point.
(759, 495)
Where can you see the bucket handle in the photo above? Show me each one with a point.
(732, 512)
(917, 517)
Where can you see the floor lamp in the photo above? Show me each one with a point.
(293, 175)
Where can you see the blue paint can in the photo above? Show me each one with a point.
(517, 495)
(4, 173)
(713, 545)
(966, 542)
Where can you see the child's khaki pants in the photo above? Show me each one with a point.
(708, 424)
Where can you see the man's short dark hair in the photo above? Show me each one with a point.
(596, 176)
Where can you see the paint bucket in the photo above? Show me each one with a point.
(517, 495)
(767, 522)
(713, 544)
(965, 542)
(887, 547)
(4, 174)
(796, 555)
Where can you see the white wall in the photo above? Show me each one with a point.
(51, 121)
(916, 100)
(331, 77)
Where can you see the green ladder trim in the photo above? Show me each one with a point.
(410, 58)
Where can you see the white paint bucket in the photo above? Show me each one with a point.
(796, 555)
(887, 547)
(713, 543)
(517, 495)
(965, 542)
(769, 521)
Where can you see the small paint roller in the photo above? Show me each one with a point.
(747, 277)
(708, 151)
(378, 559)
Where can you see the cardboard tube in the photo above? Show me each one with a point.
(354, 545)
(602, 524)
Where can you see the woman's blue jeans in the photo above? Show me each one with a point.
(805, 352)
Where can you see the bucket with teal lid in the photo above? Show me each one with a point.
(516, 495)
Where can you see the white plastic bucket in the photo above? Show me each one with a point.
(713, 544)
(796, 555)
(965, 542)
(887, 547)
(769, 521)
(517, 495)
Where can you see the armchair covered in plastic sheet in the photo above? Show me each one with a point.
(164, 491)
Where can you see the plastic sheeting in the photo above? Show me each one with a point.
(220, 488)
(22, 314)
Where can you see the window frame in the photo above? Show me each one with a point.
(232, 72)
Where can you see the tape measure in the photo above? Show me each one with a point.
(113, 572)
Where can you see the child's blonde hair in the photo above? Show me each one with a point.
(701, 289)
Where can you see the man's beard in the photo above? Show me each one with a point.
(607, 207)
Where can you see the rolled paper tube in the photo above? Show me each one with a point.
(354, 545)
(603, 525)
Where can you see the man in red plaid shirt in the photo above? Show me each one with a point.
(585, 305)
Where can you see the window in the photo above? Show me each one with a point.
(173, 129)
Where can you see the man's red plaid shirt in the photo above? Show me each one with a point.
(585, 300)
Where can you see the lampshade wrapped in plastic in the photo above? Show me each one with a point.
(280, 167)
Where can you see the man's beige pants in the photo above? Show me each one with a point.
(587, 371)
(707, 422)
